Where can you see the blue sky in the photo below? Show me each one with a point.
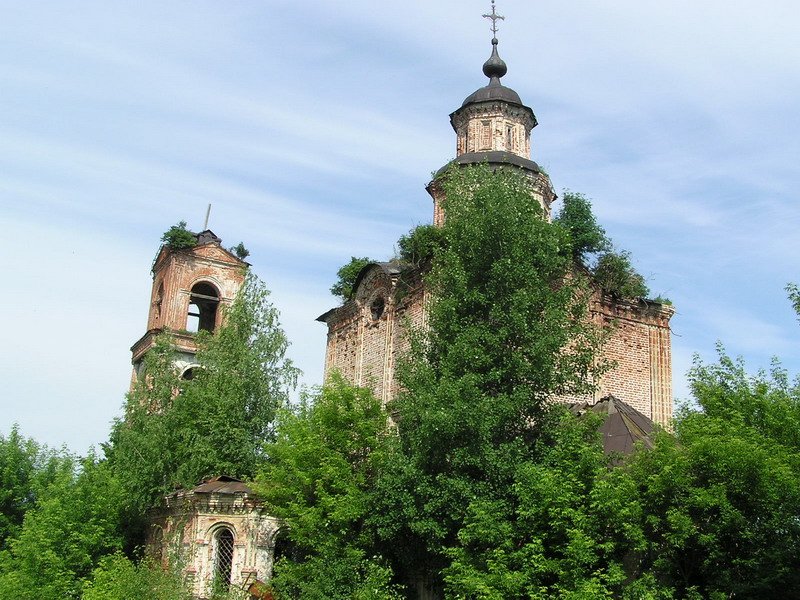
(312, 128)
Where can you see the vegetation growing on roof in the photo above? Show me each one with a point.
(346, 277)
(178, 237)
(240, 251)
(576, 216)
(615, 274)
(592, 248)
(420, 244)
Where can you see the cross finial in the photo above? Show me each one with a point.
(494, 17)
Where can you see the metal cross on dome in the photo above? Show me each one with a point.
(494, 17)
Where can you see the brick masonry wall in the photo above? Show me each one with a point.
(638, 347)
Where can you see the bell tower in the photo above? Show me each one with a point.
(190, 285)
(493, 126)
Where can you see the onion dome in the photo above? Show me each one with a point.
(494, 69)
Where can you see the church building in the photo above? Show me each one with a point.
(367, 334)
(220, 530)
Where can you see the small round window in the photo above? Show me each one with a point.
(377, 307)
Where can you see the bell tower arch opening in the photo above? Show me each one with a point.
(203, 305)
(190, 283)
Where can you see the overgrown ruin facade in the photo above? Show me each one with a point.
(220, 534)
(366, 335)
(189, 287)
(218, 530)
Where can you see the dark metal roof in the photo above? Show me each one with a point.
(494, 158)
(623, 427)
(494, 91)
(222, 485)
(207, 236)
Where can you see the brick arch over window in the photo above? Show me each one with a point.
(203, 306)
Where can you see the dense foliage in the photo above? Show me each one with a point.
(420, 244)
(119, 578)
(26, 471)
(178, 237)
(347, 276)
(612, 269)
(320, 478)
(221, 418)
(615, 274)
(507, 331)
(588, 237)
(76, 521)
(240, 250)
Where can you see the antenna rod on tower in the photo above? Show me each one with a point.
(208, 213)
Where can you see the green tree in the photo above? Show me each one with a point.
(587, 237)
(347, 275)
(794, 297)
(119, 578)
(614, 273)
(320, 479)
(177, 432)
(240, 250)
(74, 523)
(508, 330)
(718, 502)
(26, 469)
(178, 237)
(420, 244)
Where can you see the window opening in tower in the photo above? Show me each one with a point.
(202, 314)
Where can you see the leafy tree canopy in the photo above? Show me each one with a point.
(615, 274)
(587, 237)
(320, 478)
(26, 470)
(74, 523)
(119, 578)
(507, 331)
(240, 251)
(177, 432)
(178, 237)
(347, 275)
(420, 244)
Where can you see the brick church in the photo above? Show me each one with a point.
(221, 527)
(366, 335)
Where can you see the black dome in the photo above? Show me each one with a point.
(494, 68)
(494, 91)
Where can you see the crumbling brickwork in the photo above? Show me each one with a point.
(187, 533)
(365, 350)
(206, 275)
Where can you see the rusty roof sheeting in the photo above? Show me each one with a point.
(623, 427)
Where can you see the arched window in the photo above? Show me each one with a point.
(203, 303)
(377, 307)
(223, 559)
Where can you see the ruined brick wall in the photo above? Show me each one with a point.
(185, 534)
(175, 273)
(368, 333)
(638, 345)
(638, 352)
